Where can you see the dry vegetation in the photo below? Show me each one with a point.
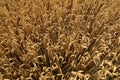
(59, 39)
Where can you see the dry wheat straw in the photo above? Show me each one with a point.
(59, 39)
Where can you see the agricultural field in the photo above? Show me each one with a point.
(59, 39)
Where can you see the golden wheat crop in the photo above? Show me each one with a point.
(59, 39)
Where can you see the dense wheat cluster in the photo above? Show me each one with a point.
(59, 39)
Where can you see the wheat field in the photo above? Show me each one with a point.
(59, 39)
